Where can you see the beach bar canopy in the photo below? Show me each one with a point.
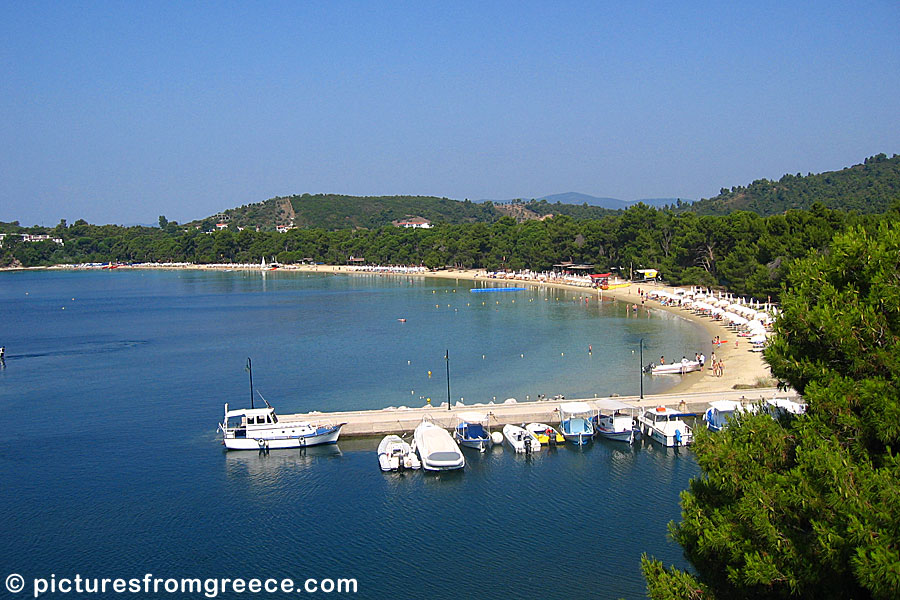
(648, 273)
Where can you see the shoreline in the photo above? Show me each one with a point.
(743, 368)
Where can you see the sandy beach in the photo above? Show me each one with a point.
(743, 368)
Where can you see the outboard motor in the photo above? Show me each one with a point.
(527, 444)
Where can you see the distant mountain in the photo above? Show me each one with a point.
(578, 198)
(609, 203)
(867, 188)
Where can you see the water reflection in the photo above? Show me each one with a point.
(261, 467)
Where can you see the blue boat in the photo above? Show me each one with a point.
(575, 422)
(471, 431)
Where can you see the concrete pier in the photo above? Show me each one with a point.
(404, 421)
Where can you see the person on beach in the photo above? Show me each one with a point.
(702, 360)
(721, 368)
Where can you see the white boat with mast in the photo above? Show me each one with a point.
(259, 428)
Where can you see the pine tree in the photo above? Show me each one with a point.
(810, 507)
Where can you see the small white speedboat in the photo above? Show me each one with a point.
(678, 368)
(437, 450)
(396, 455)
(546, 434)
(520, 439)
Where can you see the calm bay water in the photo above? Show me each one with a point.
(114, 382)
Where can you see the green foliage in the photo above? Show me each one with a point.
(810, 507)
(672, 584)
(746, 252)
(867, 188)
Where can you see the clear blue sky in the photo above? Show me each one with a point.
(119, 112)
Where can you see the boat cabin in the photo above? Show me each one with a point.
(662, 415)
(238, 421)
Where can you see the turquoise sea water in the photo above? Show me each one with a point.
(114, 383)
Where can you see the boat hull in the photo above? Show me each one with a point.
(676, 368)
(577, 430)
(480, 444)
(618, 436)
(516, 438)
(261, 441)
(669, 441)
(394, 454)
(579, 439)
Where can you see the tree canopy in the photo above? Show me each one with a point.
(809, 507)
(867, 188)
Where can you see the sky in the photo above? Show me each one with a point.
(118, 112)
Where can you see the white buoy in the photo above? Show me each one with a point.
(497, 437)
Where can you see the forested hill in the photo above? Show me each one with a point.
(867, 188)
(333, 211)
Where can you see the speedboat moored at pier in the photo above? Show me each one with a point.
(394, 454)
(665, 426)
(436, 448)
(545, 434)
(520, 439)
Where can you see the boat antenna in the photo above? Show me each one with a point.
(263, 399)
(447, 359)
(249, 369)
